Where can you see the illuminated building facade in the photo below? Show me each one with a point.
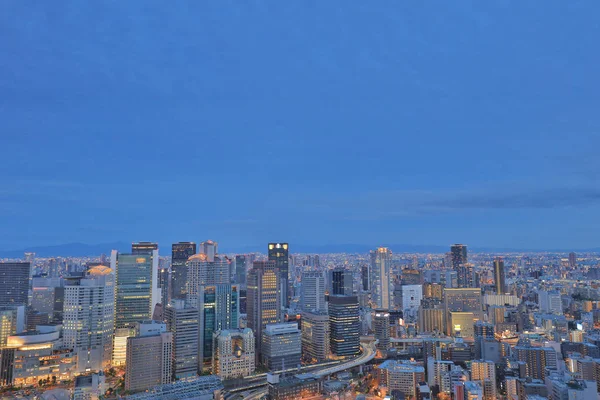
(234, 354)
(281, 346)
(263, 302)
(182, 321)
(279, 254)
(137, 289)
(315, 336)
(88, 318)
(218, 309)
(36, 355)
(344, 325)
(381, 264)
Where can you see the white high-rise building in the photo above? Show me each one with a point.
(381, 263)
(210, 249)
(312, 297)
(202, 272)
(411, 300)
(88, 318)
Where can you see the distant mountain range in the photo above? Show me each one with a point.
(83, 250)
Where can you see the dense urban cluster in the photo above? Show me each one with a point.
(199, 324)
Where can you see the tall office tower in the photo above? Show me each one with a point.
(149, 357)
(550, 302)
(164, 284)
(143, 247)
(210, 249)
(465, 276)
(201, 272)
(484, 372)
(281, 346)
(137, 289)
(536, 359)
(240, 269)
(315, 336)
(180, 253)
(279, 253)
(182, 322)
(12, 322)
(381, 326)
(499, 280)
(312, 297)
(263, 298)
(341, 282)
(411, 300)
(14, 283)
(572, 260)
(462, 300)
(344, 325)
(234, 355)
(88, 318)
(381, 263)
(458, 255)
(218, 309)
(364, 276)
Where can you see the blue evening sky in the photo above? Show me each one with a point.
(312, 122)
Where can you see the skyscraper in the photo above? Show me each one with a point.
(365, 277)
(88, 318)
(182, 322)
(210, 249)
(572, 260)
(180, 253)
(315, 336)
(312, 297)
(279, 253)
(263, 298)
(459, 259)
(201, 271)
(281, 346)
(411, 300)
(381, 326)
(499, 276)
(218, 309)
(381, 263)
(459, 255)
(341, 282)
(536, 359)
(149, 357)
(344, 325)
(14, 283)
(137, 289)
(240, 269)
(143, 247)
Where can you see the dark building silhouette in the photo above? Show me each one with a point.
(14, 283)
(180, 252)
